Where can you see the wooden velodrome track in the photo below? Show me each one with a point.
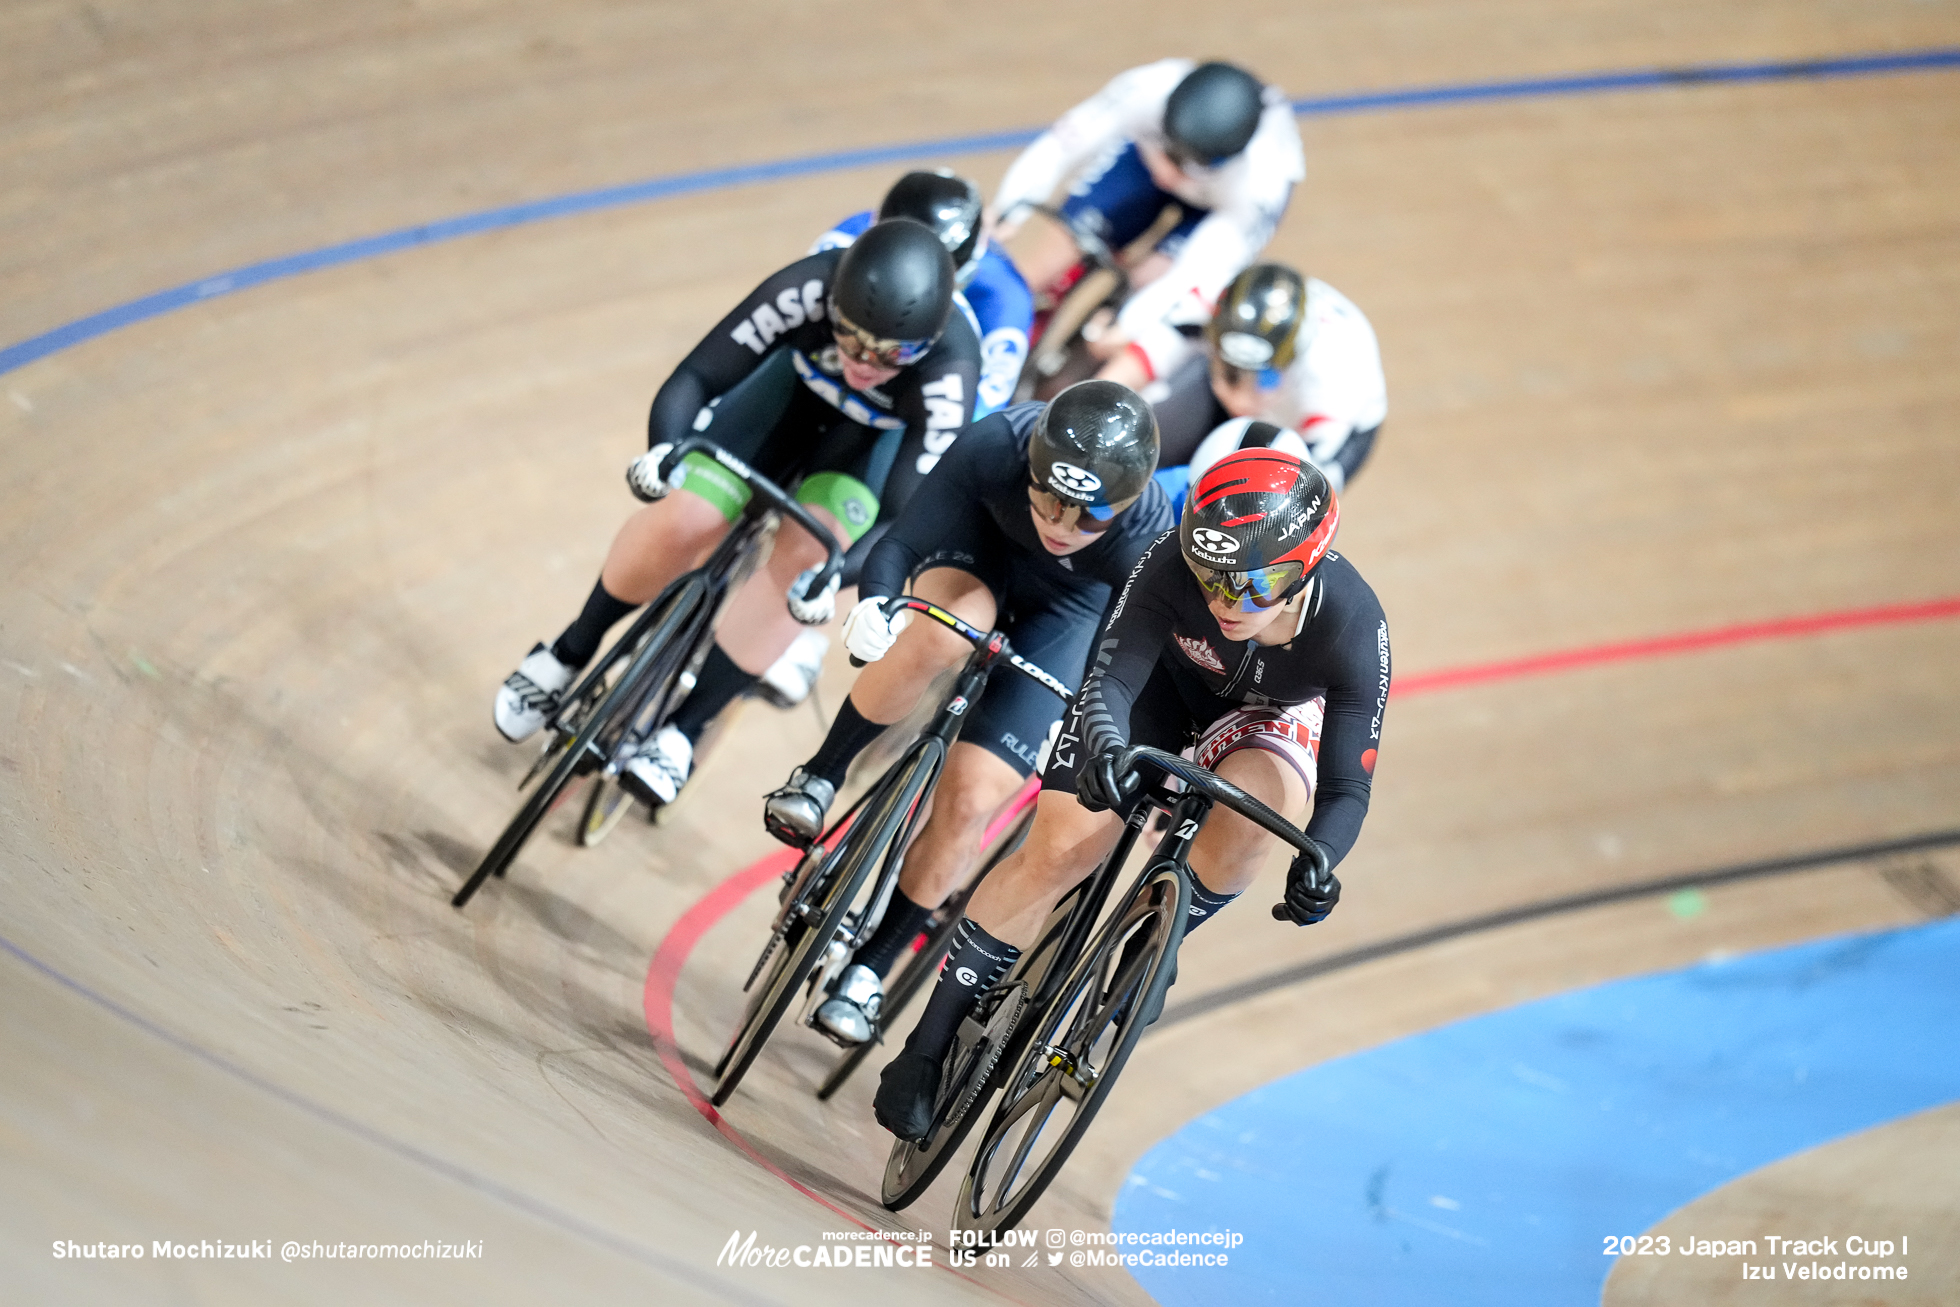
(1660, 361)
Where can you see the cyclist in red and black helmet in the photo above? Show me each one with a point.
(1242, 637)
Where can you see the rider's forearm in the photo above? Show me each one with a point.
(887, 567)
(1339, 806)
(1033, 176)
(671, 419)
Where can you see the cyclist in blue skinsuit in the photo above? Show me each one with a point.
(992, 294)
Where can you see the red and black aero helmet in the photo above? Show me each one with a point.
(1257, 524)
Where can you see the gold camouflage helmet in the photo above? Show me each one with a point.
(1257, 325)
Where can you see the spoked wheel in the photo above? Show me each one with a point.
(1075, 1049)
(606, 805)
(817, 915)
(923, 965)
(659, 652)
(989, 1042)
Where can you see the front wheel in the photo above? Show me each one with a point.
(1075, 1049)
(678, 613)
(840, 886)
(922, 965)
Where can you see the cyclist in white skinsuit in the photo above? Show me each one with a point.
(1281, 351)
(1209, 138)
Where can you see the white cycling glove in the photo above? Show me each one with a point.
(820, 607)
(643, 474)
(867, 633)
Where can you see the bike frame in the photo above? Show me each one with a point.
(675, 626)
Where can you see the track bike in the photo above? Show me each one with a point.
(1054, 1036)
(834, 898)
(635, 687)
(921, 966)
(1060, 354)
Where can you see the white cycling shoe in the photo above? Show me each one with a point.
(790, 678)
(656, 773)
(530, 694)
(850, 1015)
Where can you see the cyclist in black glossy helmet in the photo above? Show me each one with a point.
(1241, 637)
(845, 376)
(1207, 138)
(1032, 520)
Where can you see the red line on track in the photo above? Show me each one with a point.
(1450, 678)
(664, 973)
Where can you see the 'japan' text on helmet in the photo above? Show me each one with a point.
(894, 284)
(1260, 514)
(1257, 325)
(1095, 444)
(947, 203)
(1213, 113)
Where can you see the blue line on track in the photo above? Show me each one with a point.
(1483, 1164)
(715, 179)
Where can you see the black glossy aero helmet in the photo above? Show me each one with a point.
(1092, 449)
(1257, 325)
(1256, 525)
(1212, 114)
(947, 203)
(891, 294)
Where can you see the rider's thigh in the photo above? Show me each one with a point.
(659, 542)
(975, 785)
(797, 551)
(890, 688)
(1228, 852)
(1065, 844)
(962, 594)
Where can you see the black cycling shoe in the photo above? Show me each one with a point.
(906, 1091)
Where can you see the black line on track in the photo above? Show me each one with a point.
(1293, 975)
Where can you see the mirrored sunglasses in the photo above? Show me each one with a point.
(1089, 519)
(1250, 592)
(860, 346)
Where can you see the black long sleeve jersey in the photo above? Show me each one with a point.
(929, 401)
(982, 487)
(1159, 632)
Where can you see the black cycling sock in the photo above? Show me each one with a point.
(719, 683)
(581, 639)
(1204, 905)
(976, 961)
(846, 740)
(903, 921)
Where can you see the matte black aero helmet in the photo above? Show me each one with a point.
(947, 203)
(892, 293)
(1212, 113)
(1257, 325)
(1094, 447)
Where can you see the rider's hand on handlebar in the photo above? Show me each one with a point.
(1310, 892)
(1099, 787)
(643, 474)
(813, 609)
(868, 633)
(1002, 227)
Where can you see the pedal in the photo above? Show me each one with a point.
(785, 835)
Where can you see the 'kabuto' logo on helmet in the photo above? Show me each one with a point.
(1215, 542)
(1075, 482)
